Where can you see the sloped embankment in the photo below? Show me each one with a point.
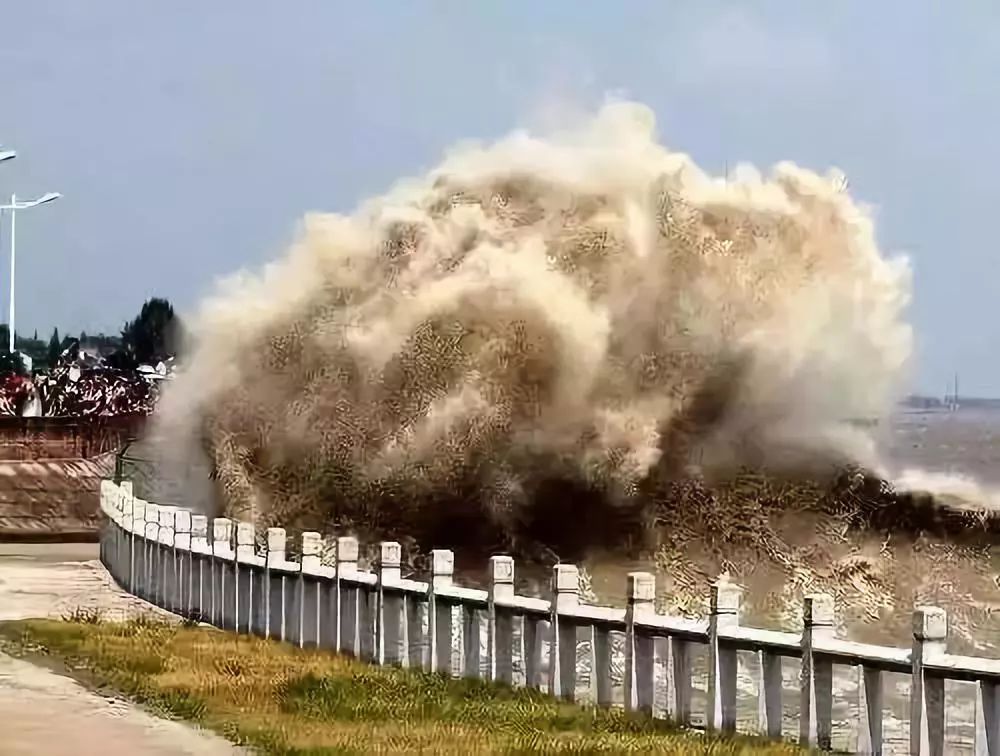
(52, 499)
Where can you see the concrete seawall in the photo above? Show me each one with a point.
(52, 499)
(50, 474)
(30, 439)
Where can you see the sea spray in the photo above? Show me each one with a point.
(539, 332)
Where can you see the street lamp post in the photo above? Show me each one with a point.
(13, 207)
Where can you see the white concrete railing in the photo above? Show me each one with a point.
(164, 555)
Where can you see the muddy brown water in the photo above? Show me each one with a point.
(964, 443)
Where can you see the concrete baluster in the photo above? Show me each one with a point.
(769, 688)
(440, 611)
(274, 584)
(679, 666)
(816, 700)
(388, 609)
(183, 559)
(166, 567)
(930, 631)
(500, 635)
(987, 717)
(348, 596)
(472, 630)
(137, 552)
(243, 576)
(151, 549)
(869, 710)
(562, 649)
(311, 589)
(639, 657)
(724, 614)
(221, 567)
(201, 593)
(115, 541)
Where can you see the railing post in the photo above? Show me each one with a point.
(724, 614)
(987, 718)
(182, 552)
(127, 489)
(348, 596)
(137, 569)
(152, 551)
(769, 688)
(816, 708)
(600, 665)
(639, 667)
(439, 620)
(222, 556)
(108, 497)
(870, 710)
(330, 619)
(930, 629)
(112, 554)
(123, 540)
(201, 594)
(388, 609)
(562, 649)
(500, 634)
(122, 535)
(167, 563)
(310, 594)
(274, 585)
(246, 538)
(182, 529)
(108, 503)
(532, 627)
(246, 544)
(472, 628)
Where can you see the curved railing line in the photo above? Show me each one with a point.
(174, 559)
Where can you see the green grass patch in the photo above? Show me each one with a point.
(278, 699)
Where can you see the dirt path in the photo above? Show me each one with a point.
(46, 713)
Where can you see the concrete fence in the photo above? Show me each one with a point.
(212, 571)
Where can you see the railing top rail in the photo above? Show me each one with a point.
(757, 639)
(885, 658)
(957, 667)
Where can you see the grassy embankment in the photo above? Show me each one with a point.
(278, 699)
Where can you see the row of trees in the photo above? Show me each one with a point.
(154, 335)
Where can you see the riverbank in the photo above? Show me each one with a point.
(278, 699)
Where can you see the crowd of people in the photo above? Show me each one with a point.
(78, 386)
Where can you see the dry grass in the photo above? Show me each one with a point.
(278, 699)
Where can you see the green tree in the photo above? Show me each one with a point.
(55, 348)
(154, 335)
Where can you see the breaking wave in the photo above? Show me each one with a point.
(545, 333)
(956, 491)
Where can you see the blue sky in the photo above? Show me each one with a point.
(190, 137)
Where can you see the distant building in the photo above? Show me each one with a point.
(916, 401)
(92, 353)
